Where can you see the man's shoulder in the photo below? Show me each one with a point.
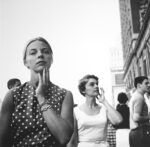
(137, 97)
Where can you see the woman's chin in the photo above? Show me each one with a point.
(39, 69)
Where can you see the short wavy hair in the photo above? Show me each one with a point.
(139, 80)
(122, 98)
(83, 82)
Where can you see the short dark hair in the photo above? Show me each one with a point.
(83, 82)
(122, 98)
(139, 80)
(11, 82)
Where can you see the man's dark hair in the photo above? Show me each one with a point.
(139, 80)
(11, 83)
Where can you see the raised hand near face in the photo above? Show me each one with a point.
(101, 96)
(43, 82)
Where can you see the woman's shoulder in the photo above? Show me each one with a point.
(10, 93)
(19, 89)
(57, 87)
(60, 89)
(78, 113)
(77, 109)
(7, 102)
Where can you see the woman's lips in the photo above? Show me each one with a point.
(41, 63)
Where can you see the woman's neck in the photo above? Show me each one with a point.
(90, 102)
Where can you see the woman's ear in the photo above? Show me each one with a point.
(138, 85)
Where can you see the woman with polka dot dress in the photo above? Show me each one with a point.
(38, 113)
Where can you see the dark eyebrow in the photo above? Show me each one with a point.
(93, 83)
(32, 50)
(45, 48)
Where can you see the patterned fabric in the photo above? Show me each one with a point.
(28, 127)
(111, 135)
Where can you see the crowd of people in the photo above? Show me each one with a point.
(39, 113)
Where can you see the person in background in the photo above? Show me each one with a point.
(38, 113)
(123, 109)
(122, 130)
(92, 117)
(138, 112)
(14, 82)
(147, 99)
(115, 132)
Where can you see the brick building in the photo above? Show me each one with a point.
(135, 27)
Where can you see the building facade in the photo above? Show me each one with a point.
(117, 73)
(135, 27)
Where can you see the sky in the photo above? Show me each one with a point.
(80, 32)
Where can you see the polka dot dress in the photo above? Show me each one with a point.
(28, 127)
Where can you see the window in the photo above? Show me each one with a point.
(144, 68)
(119, 79)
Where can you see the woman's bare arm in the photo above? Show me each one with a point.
(61, 126)
(113, 115)
(5, 118)
(74, 138)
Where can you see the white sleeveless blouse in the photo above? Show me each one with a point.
(92, 129)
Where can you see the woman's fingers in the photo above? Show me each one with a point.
(40, 79)
(38, 90)
(45, 76)
(43, 81)
(101, 90)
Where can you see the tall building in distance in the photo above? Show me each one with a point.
(134, 16)
(117, 72)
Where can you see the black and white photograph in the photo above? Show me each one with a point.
(75, 73)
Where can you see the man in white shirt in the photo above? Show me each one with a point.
(147, 99)
(138, 112)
